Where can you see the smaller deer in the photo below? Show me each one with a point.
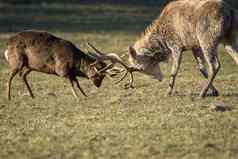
(43, 52)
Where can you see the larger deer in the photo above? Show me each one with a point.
(197, 25)
(43, 52)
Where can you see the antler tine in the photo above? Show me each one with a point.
(130, 84)
(114, 58)
(95, 49)
(109, 66)
(95, 55)
(122, 78)
(92, 54)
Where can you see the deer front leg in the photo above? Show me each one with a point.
(81, 90)
(214, 66)
(177, 57)
(72, 88)
(200, 60)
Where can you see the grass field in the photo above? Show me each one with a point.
(113, 122)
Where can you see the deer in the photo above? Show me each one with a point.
(197, 25)
(43, 52)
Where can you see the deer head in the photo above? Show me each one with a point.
(94, 73)
(146, 63)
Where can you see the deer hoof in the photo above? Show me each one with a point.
(169, 93)
(215, 93)
(202, 95)
(128, 86)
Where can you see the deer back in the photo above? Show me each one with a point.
(44, 52)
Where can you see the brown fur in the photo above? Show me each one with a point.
(43, 52)
(197, 25)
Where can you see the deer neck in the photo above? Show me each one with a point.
(83, 65)
(148, 44)
(152, 44)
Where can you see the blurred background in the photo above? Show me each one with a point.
(135, 2)
(80, 15)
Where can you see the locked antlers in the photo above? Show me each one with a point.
(114, 59)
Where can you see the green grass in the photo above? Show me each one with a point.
(114, 122)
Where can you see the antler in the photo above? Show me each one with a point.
(114, 58)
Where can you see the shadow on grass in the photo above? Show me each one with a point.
(76, 18)
(224, 94)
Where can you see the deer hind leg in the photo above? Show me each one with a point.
(12, 75)
(177, 57)
(200, 60)
(231, 46)
(24, 77)
(15, 58)
(210, 54)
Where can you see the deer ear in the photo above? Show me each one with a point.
(132, 52)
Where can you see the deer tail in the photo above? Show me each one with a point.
(6, 54)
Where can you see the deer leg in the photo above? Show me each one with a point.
(177, 57)
(214, 66)
(81, 90)
(232, 51)
(72, 88)
(24, 77)
(200, 60)
(12, 75)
